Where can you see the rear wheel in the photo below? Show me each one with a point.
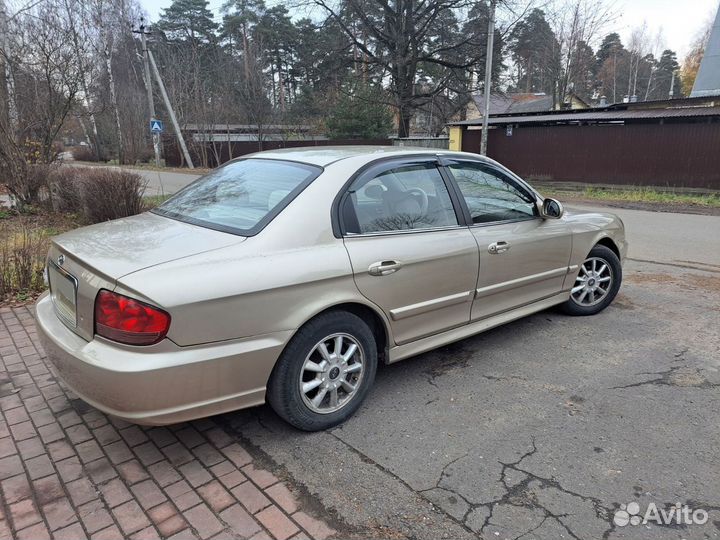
(596, 284)
(325, 372)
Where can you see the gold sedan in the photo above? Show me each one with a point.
(288, 275)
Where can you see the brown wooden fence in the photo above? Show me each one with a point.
(650, 154)
(214, 154)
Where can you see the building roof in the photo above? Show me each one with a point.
(514, 103)
(224, 128)
(676, 102)
(602, 115)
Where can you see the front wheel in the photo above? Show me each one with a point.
(596, 284)
(325, 372)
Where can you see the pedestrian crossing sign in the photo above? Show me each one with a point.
(156, 126)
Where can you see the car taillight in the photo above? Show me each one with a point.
(129, 321)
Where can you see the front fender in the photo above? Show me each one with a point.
(590, 228)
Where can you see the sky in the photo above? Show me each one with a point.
(680, 20)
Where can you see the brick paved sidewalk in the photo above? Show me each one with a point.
(68, 471)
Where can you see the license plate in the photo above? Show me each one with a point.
(63, 291)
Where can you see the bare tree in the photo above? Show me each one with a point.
(82, 47)
(638, 47)
(103, 15)
(577, 26)
(47, 76)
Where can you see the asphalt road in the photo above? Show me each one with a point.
(164, 182)
(538, 429)
(687, 240)
(541, 428)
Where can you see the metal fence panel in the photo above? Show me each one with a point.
(647, 154)
(423, 142)
(212, 154)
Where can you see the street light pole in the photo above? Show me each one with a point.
(488, 77)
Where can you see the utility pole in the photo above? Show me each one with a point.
(142, 30)
(174, 121)
(488, 77)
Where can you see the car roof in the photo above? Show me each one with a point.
(325, 155)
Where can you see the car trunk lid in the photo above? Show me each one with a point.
(83, 261)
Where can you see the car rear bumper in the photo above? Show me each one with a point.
(163, 383)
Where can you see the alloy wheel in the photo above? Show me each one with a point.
(593, 282)
(332, 373)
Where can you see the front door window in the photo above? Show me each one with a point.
(491, 196)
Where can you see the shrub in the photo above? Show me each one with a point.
(26, 182)
(83, 153)
(91, 194)
(65, 195)
(145, 155)
(97, 194)
(110, 194)
(22, 257)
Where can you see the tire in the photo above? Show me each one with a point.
(584, 301)
(301, 361)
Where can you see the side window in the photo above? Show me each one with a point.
(490, 195)
(403, 198)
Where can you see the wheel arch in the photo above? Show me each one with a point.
(610, 244)
(377, 322)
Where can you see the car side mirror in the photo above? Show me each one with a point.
(551, 209)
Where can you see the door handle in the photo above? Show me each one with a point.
(384, 268)
(498, 247)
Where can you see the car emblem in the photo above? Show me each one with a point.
(61, 259)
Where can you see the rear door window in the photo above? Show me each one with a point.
(401, 198)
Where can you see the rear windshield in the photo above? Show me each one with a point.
(240, 197)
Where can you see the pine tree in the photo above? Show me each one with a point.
(278, 37)
(582, 80)
(666, 69)
(611, 45)
(359, 114)
(536, 52)
(188, 20)
(611, 68)
(476, 28)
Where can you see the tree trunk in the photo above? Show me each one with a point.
(107, 54)
(246, 60)
(95, 142)
(86, 135)
(12, 111)
(404, 117)
(281, 86)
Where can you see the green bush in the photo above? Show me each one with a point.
(360, 114)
